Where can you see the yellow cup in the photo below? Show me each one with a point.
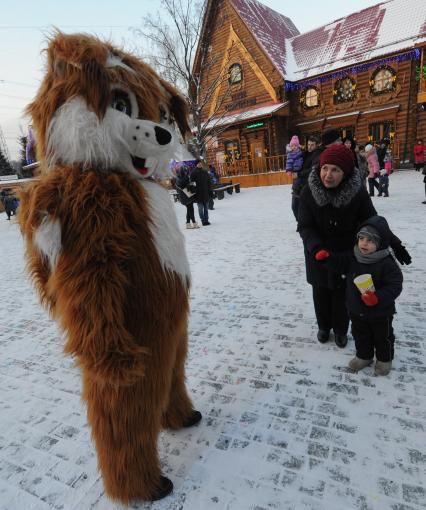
(364, 283)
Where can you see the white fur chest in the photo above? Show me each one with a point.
(168, 239)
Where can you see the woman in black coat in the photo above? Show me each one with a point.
(186, 195)
(203, 191)
(332, 206)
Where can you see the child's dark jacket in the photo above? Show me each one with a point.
(386, 274)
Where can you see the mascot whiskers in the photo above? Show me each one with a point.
(105, 252)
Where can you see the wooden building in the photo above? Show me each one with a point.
(364, 74)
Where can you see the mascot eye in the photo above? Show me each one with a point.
(165, 117)
(120, 101)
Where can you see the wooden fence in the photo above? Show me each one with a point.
(252, 166)
(274, 164)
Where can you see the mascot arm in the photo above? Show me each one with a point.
(42, 234)
(79, 270)
(92, 283)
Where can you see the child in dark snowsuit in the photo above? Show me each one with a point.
(383, 183)
(371, 312)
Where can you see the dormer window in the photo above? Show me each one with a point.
(344, 90)
(235, 74)
(383, 80)
(310, 97)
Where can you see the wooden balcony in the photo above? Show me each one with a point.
(252, 166)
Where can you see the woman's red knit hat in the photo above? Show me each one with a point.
(340, 156)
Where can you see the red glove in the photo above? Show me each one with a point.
(322, 255)
(370, 298)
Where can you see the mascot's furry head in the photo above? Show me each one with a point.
(104, 109)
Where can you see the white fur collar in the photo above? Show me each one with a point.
(337, 197)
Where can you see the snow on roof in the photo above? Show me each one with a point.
(385, 28)
(269, 27)
(243, 115)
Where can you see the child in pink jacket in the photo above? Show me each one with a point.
(373, 168)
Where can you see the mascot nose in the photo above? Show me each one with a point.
(162, 135)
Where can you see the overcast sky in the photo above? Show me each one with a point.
(25, 23)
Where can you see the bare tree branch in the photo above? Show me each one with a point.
(174, 37)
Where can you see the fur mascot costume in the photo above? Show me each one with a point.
(105, 251)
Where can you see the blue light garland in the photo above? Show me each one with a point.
(411, 55)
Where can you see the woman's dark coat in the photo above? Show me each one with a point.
(329, 219)
(203, 185)
(182, 183)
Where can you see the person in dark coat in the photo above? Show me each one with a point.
(381, 152)
(371, 309)
(203, 191)
(330, 136)
(10, 203)
(186, 195)
(361, 163)
(310, 158)
(331, 208)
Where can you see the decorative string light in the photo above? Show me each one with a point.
(411, 55)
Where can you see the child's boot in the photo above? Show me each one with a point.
(382, 367)
(356, 364)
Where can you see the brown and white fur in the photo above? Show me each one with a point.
(105, 251)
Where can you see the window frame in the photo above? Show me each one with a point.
(304, 97)
(235, 66)
(373, 80)
(338, 82)
(384, 129)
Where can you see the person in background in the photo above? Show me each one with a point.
(373, 168)
(419, 154)
(383, 183)
(361, 163)
(214, 180)
(331, 137)
(332, 206)
(371, 311)
(10, 203)
(186, 195)
(295, 156)
(388, 161)
(310, 159)
(203, 190)
(294, 165)
(424, 180)
(213, 175)
(350, 144)
(381, 152)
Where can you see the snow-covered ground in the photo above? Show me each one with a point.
(286, 425)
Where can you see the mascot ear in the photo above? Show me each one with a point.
(178, 108)
(82, 66)
(95, 83)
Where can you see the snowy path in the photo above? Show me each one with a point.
(286, 425)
